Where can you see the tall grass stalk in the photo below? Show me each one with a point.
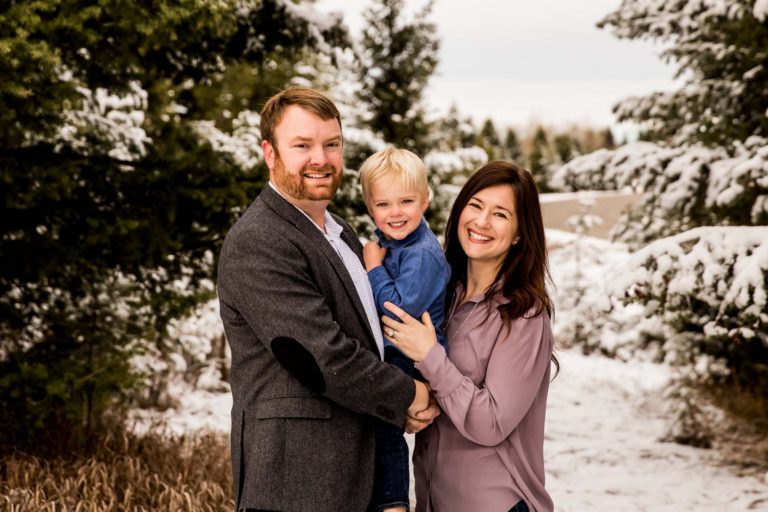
(126, 472)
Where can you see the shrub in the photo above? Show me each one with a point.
(708, 288)
(685, 187)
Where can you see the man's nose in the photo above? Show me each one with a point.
(317, 156)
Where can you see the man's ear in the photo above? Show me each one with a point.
(269, 153)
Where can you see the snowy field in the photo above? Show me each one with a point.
(602, 450)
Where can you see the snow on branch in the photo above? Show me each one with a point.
(110, 120)
(708, 288)
(318, 23)
(662, 19)
(719, 48)
(243, 144)
(685, 187)
(760, 10)
(460, 160)
(293, 25)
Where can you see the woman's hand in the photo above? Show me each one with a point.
(413, 338)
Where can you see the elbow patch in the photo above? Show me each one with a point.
(298, 361)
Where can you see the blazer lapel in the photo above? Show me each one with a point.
(290, 213)
(350, 238)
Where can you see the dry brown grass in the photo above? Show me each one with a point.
(126, 473)
(742, 435)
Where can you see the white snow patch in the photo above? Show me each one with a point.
(602, 448)
(760, 9)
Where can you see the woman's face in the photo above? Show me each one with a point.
(488, 225)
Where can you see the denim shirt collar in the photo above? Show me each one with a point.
(397, 244)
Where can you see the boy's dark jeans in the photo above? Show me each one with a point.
(391, 476)
(520, 507)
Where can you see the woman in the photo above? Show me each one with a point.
(485, 452)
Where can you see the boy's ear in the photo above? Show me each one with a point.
(425, 204)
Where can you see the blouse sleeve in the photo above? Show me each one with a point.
(517, 365)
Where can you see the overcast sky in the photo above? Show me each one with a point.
(524, 61)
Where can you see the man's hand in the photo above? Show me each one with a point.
(422, 411)
(422, 419)
(421, 400)
(373, 255)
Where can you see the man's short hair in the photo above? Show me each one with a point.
(393, 163)
(306, 98)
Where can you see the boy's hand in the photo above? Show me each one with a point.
(373, 255)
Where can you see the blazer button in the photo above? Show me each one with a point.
(385, 411)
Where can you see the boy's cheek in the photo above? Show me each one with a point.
(378, 219)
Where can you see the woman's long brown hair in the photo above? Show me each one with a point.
(525, 270)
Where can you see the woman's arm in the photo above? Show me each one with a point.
(516, 368)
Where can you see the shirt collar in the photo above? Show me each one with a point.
(332, 227)
(396, 244)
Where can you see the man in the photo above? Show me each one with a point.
(307, 378)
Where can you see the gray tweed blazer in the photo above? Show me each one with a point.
(307, 382)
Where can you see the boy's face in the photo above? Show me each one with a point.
(395, 208)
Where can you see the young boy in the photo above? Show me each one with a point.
(408, 268)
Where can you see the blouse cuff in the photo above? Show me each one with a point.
(442, 375)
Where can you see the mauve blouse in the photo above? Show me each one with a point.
(485, 451)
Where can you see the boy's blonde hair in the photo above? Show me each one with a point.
(399, 164)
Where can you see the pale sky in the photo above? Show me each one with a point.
(526, 61)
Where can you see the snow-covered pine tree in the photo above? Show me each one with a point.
(708, 164)
(702, 291)
(512, 149)
(539, 159)
(117, 189)
(707, 288)
(489, 140)
(398, 58)
(721, 50)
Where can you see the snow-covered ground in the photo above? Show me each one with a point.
(558, 207)
(602, 447)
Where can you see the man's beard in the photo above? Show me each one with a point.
(299, 187)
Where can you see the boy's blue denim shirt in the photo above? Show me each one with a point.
(414, 276)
